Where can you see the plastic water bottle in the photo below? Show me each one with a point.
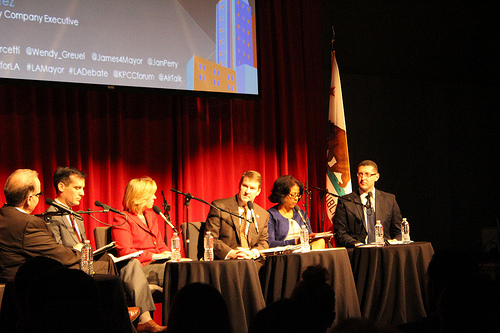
(405, 231)
(87, 258)
(176, 248)
(209, 247)
(304, 239)
(379, 234)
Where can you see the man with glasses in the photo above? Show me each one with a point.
(357, 213)
(23, 235)
(236, 238)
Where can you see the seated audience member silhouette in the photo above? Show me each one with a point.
(28, 272)
(281, 316)
(445, 267)
(63, 300)
(316, 298)
(469, 304)
(14, 303)
(198, 307)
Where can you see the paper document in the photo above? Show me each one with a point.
(126, 257)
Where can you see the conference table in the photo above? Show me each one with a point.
(237, 281)
(281, 272)
(390, 281)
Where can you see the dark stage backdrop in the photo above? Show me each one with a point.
(197, 145)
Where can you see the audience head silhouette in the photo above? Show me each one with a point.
(281, 316)
(30, 271)
(198, 307)
(63, 300)
(316, 298)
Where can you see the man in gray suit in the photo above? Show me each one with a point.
(69, 183)
(356, 214)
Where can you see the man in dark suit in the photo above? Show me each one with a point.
(356, 214)
(22, 235)
(236, 238)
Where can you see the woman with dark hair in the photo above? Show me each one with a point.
(284, 221)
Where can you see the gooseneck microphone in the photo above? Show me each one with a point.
(297, 209)
(158, 211)
(108, 208)
(250, 206)
(63, 208)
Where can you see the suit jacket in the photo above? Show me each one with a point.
(279, 225)
(23, 236)
(63, 230)
(225, 227)
(131, 235)
(349, 220)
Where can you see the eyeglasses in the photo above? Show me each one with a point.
(365, 175)
(295, 196)
(38, 194)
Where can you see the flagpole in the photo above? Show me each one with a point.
(338, 178)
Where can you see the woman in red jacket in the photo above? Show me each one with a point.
(139, 229)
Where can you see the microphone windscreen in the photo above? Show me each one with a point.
(250, 204)
(98, 203)
(48, 201)
(296, 208)
(157, 210)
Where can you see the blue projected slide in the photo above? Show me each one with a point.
(202, 45)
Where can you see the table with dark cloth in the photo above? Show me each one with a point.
(391, 281)
(111, 298)
(237, 281)
(281, 273)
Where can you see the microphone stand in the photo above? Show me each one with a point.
(323, 193)
(209, 204)
(187, 199)
(47, 215)
(336, 195)
(307, 199)
(166, 210)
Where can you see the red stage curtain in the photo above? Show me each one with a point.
(197, 145)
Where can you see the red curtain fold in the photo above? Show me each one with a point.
(197, 145)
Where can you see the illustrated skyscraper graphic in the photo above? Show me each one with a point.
(234, 69)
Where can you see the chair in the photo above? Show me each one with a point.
(196, 235)
(102, 237)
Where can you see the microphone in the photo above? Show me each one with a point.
(297, 209)
(250, 206)
(107, 208)
(65, 209)
(158, 211)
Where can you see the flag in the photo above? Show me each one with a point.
(338, 175)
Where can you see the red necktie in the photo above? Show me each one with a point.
(73, 223)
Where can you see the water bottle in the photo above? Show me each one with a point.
(379, 234)
(209, 247)
(304, 239)
(176, 248)
(405, 231)
(87, 258)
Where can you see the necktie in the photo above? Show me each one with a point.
(370, 219)
(73, 223)
(243, 229)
